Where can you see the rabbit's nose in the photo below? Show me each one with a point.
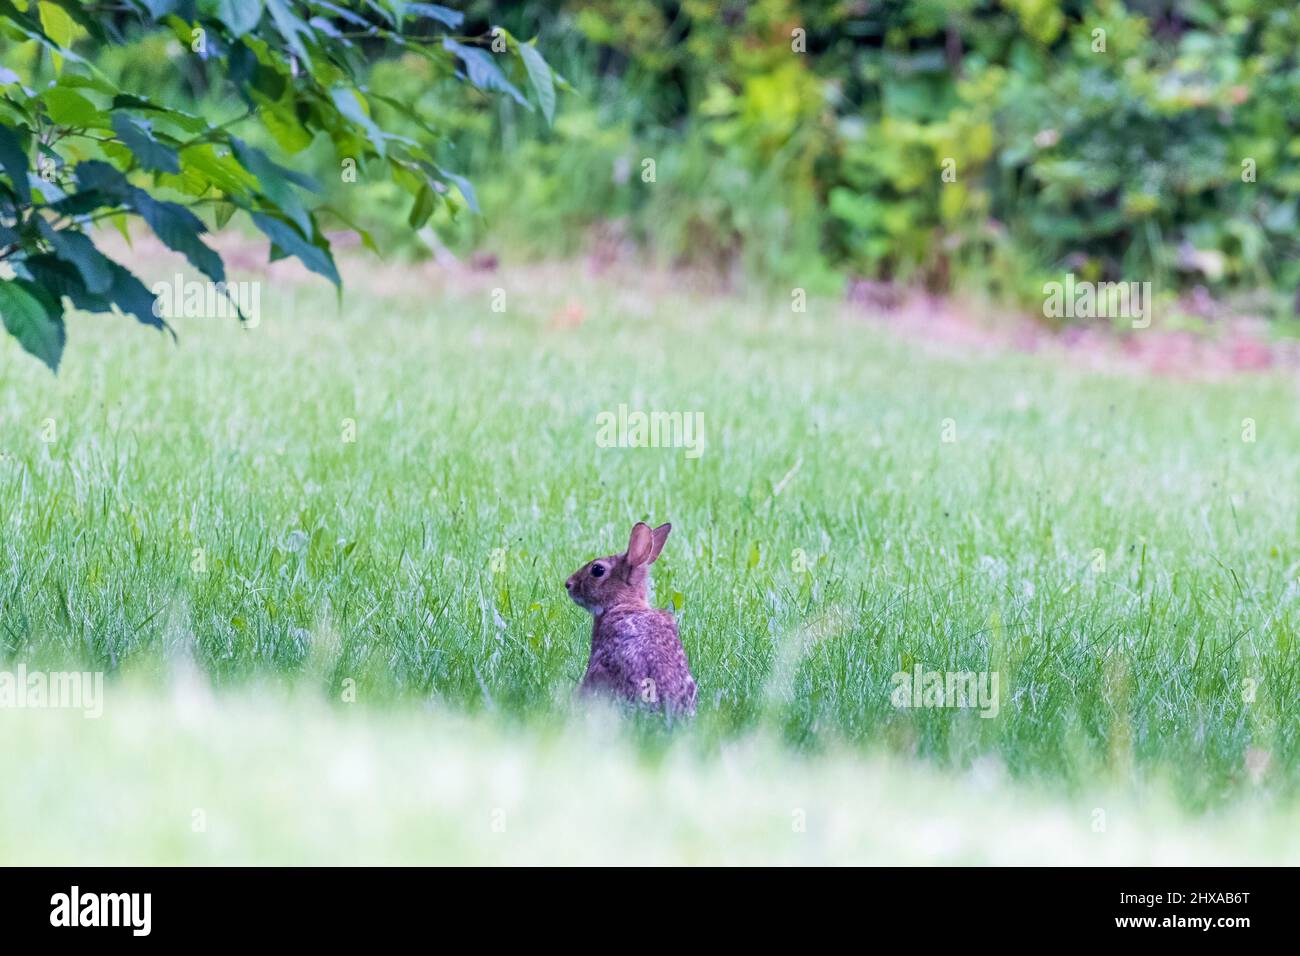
(568, 585)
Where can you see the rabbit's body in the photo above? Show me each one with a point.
(636, 654)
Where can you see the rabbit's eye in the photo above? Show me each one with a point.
(597, 570)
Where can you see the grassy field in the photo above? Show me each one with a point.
(1108, 544)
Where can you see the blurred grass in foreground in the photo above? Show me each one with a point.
(295, 782)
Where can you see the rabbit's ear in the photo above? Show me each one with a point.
(640, 545)
(659, 535)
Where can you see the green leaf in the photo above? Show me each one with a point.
(27, 320)
(186, 121)
(96, 82)
(83, 202)
(59, 278)
(466, 187)
(539, 74)
(284, 237)
(69, 108)
(122, 223)
(101, 29)
(179, 229)
(239, 16)
(223, 213)
(137, 136)
(345, 14)
(58, 26)
(78, 249)
(275, 182)
(31, 27)
(215, 169)
(349, 104)
(283, 124)
(291, 28)
(436, 11)
(132, 296)
(13, 160)
(259, 159)
(97, 175)
(128, 293)
(483, 72)
(422, 208)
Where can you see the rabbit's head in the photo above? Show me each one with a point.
(620, 579)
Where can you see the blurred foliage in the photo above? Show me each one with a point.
(987, 142)
(1143, 140)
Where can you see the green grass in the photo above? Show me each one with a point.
(373, 561)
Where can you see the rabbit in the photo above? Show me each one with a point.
(636, 654)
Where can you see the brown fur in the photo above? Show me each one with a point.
(636, 654)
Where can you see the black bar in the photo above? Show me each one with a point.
(334, 906)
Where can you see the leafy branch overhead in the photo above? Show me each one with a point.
(77, 148)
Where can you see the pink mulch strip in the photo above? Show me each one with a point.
(1229, 346)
